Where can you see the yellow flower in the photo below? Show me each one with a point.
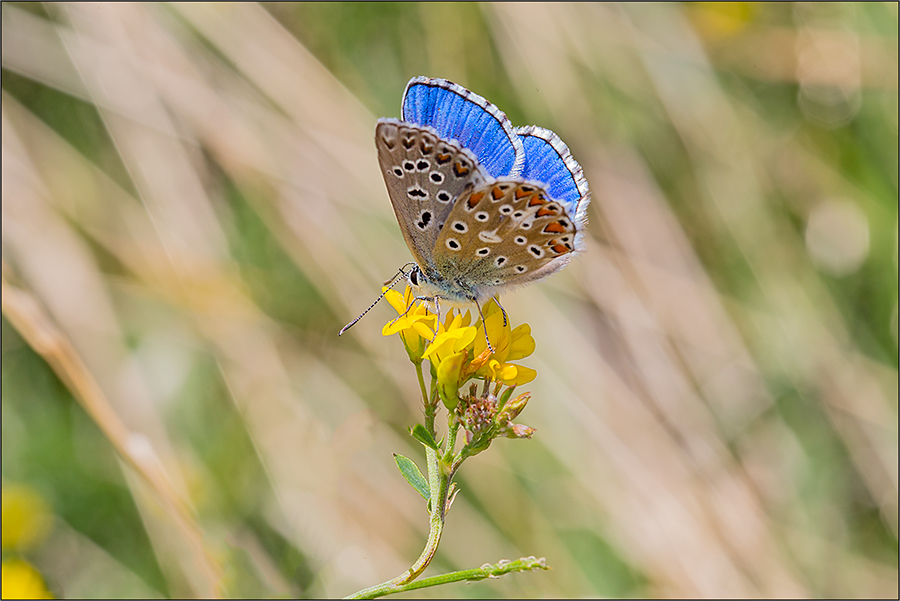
(26, 517)
(454, 340)
(508, 345)
(459, 351)
(415, 325)
(448, 353)
(22, 581)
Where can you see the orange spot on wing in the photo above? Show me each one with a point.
(537, 199)
(460, 170)
(496, 193)
(553, 228)
(559, 248)
(544, 211)
(523, 191)
(474, 199)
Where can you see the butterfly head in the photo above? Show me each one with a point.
(452, 292)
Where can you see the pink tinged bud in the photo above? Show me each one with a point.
(519, 431)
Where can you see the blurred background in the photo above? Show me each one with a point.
(192, 208)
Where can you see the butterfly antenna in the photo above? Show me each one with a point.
(390, 284)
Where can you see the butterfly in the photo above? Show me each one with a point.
(484, 207)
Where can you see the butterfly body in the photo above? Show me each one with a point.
(482, 206)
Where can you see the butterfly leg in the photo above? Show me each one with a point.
(484, 325)
(411, 305)
(437, 306)
(505, 319)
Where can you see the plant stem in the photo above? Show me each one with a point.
(452, 429)
(486, 571)
(418, 365)
(439, 482)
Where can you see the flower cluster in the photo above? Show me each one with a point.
(458, 353)
(488, 417)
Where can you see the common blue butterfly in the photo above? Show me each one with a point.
(484, 207)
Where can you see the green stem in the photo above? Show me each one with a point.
(439, 482)
(452, 430)
(418, 365)
(486, 571)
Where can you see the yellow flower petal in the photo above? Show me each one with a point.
(21, 581)
(422, 329)
(524, 375)
(395, 299)
(450, 342)
(522, 344)
(503, 371)
(448, 379)
(394, 326)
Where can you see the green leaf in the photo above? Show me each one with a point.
(422, 435)
(411, 472)
(505, 397)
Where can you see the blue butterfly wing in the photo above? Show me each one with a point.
(458, 114)
(549, 162)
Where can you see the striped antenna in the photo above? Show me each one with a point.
(390, 284)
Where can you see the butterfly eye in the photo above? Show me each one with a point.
(414, 277)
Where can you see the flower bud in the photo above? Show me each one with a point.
(513, 408)
(519, 431)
